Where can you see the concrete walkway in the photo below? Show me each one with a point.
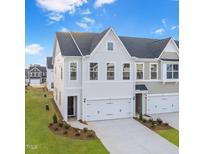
(171, 118)
(127, 136)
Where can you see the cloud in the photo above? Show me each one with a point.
(33, 49)
(99, 3)
(53, 16)
(57, 8)
(164, 22)
(159, 31)
(86, 23)
(88, 20)
(86, 12)
(64, 29)
(83, 25)
(173, 27)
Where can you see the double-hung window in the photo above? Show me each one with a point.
(153, 71)
(110, 46)
(126, 71)
(110, 71)
(73, 71)
(139, 71)
(172, 71)
(93, 71)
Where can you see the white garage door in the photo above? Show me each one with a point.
(162, 104)
(108, 109)
(35, 81)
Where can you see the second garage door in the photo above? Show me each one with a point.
(162, 104)
(35, 81)
(108, 109)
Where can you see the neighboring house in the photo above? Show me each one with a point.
(49, 69)
(100, 76)
(36, 74)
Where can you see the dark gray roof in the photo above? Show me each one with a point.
(67, 45)
(49, 63)
(137, 47)
(140, 87)
(163, 59)
(41, 68)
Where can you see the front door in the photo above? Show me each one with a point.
(139, 103)
(70, 106)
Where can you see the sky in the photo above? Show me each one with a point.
(136, 18)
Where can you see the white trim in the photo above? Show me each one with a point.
(123, 71)
(141, 91)
(163, 94)
(110, 29)
(75, 43)
(72, 88)
(33, 68)
(166, 46)
(150, 71)
(105, 98)
(107, 46)
(148, 80)
(136, 71)
(76, 71)
(106, 81)
(89, 70)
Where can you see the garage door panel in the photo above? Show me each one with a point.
(108, 109)
(34, 81)
(162, 104)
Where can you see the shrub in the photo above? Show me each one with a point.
(150, 120)
(77, 133)
(50, 124)
(152, 126)
(153, 122)
(141, 117)
(55, 119)
(166, 124)
(47, 107)
(85, 129)
(56, 129)
(76, 129)
(159, 121)
(91, 133)
(144, 120)
(66, 126)
(65, 132)
(60, 124)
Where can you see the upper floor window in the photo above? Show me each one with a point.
(73, 71)
(172, 71)
(139, 71)
(153, 71)
(110, 71)
(61, 73)
(126, 71)
(93, 71)
(110, 46)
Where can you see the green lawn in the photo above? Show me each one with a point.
(40, 140)
(171, 135)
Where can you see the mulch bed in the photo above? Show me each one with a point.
(156, 126)
(71, 132)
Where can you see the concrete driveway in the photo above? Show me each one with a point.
(171, 118)
(127, 136)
